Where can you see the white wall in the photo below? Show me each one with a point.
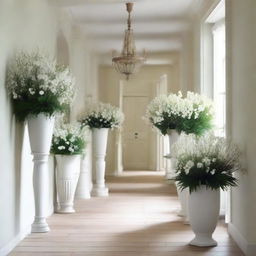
(241, 40)
(23, 24)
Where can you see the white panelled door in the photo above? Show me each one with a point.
(136, 134)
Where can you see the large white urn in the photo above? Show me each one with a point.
(40, 129)
(67, 174)
(99, 142)
(204, 208)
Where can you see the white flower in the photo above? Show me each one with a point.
(172, 106)
(108, 116)
(199, 165)
(45, 74)
(31, 91)
(213, 171)
(214, 160)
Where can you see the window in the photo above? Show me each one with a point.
(219, 77)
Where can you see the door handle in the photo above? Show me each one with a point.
(136, 135)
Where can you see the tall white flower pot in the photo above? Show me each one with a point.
(67, 174)
(204, 208)
(40, 129)
(99, 142)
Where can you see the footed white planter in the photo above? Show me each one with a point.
(204, 208)
(183, 198)
(40, 129)
(68, 169)
(99, 142)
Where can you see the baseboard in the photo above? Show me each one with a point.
(249, 249)
(14, 242)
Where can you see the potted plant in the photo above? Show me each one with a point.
(172, 114)
(100, 118)
(204, 166)
(68, 145)
(39, 88)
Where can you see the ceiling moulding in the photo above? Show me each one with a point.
(69, 3)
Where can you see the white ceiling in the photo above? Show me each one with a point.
(159, 25)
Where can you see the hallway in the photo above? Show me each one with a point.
(137, 219)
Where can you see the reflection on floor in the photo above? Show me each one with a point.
(137, 219)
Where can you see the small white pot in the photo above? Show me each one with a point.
(40, 130)
(67, 174)
(99, 142)
(204, 208)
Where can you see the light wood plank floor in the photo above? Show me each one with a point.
(137, 219)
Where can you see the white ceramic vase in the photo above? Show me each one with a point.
(204, 208)
(40, 129)
(99, 142)
(67, 174)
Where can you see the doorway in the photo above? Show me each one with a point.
(136, 134)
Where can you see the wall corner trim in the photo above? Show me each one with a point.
(248, 249)
(15, 241)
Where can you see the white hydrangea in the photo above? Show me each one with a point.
(31, 72)
(105, 114)
(174, 105)
(203, 152)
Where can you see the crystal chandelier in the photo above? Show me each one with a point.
(128, 63)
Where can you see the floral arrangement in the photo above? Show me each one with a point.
(192, 114)
(69, 139)
(207, 160)
(38, 85)
(102, 115)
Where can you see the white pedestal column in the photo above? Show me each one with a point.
(40, 130)
(99, 140)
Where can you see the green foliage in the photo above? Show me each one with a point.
(198, 177)
(33, 105)
(197, 126)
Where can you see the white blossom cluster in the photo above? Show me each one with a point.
(100, 115)
(66, 135)
(204, 152)
(174, 105)
(35, 74)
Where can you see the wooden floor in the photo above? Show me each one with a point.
(137, 219)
